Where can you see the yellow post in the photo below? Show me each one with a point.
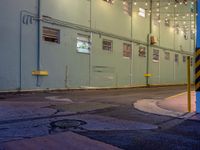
(188, 84)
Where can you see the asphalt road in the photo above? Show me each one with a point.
(104, 115)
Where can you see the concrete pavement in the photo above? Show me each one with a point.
(174, 106)
(61, 141)
(107, 116)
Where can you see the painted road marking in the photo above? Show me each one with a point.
(57, 98)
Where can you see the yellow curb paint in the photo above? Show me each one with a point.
(180, 94)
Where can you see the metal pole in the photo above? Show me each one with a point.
(189, 84)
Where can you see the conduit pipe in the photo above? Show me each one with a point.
(39, 41)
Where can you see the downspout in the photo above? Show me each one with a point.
(148, 44)
(131, 66)
(20, 53)
(91, 40)
(38, 38)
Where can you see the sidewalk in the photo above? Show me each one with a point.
(174, 106)
(179, 102)
(61, 141)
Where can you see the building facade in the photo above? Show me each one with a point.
(48, 44)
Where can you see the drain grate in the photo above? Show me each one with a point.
(66, 124)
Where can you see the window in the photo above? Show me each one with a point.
(167, 22)
(176, 58)
(142, 51)
(107, 45)
(185, 36)
(127, 8)
(167, 56)
(155, 55)
(184, 59)
(142, 12)
(51, 35)
(83, 43)
(127, 50)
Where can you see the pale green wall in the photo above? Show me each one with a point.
(69, 69)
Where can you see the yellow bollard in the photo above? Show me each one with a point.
(188, 84)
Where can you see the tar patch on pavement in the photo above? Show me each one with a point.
(81, 107)
(65, 125)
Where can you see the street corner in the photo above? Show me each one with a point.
(151, 106)
(179, 102)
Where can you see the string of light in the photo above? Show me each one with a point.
(164, 11)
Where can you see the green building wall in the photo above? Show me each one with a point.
(68, 68)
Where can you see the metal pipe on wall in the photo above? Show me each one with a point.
(38, 42)
(20, 53)
(131, 66)
(148, 42)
